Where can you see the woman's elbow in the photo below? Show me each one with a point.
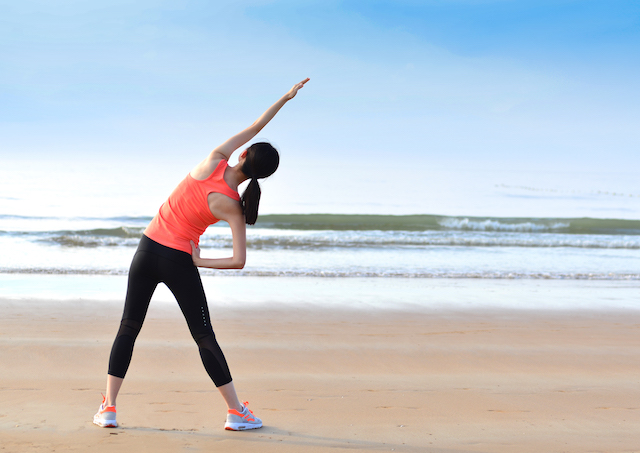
(239, 264)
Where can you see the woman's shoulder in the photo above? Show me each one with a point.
(221, 203)
(208, 167)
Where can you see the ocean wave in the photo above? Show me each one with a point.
(132, 226)
(611, 242)
(316, 240)
(339, 222)
(431, 275)
(351, 274)
(99, 237)
(325, 231)
(496, 225)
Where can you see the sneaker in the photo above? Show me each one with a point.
(106, 416)
(239, 421)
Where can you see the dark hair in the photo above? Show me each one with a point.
(262, 160)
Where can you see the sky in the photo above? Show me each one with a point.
(401, 91)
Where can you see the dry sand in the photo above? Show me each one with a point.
(473, 381)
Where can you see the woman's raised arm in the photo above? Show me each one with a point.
(225, 150)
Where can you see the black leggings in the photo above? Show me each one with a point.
(154, 263)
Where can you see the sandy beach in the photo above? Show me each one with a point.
(326, 380)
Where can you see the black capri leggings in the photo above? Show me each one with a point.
(154, 263)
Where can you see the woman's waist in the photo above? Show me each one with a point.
(169, 251)
(170, 234)
(171, 241)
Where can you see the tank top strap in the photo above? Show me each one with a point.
(216, 183)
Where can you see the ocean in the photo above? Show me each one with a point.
(51, 251)
(326, 245)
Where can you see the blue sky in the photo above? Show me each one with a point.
(412, 84)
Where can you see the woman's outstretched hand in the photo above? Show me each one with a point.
(293, 91)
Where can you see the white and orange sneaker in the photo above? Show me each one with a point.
(106, 416)
(239, 421)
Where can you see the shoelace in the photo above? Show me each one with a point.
(104, 400)
(246, 405)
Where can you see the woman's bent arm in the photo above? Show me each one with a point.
(230, 211)
(215, 263)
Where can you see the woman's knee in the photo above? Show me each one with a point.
(129, 328)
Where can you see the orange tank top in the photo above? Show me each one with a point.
(186, 214)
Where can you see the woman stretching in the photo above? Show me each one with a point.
(169, 253)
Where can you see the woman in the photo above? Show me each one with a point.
(169, 253)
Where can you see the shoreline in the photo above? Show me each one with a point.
(327, 379)
(385, 294)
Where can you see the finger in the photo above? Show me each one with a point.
(299, 85)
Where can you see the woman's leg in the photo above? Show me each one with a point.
(228, 392)
(186, 286)
(141, 285)
(113, 387)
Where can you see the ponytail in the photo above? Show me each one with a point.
(261, 161)
(250, 201)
